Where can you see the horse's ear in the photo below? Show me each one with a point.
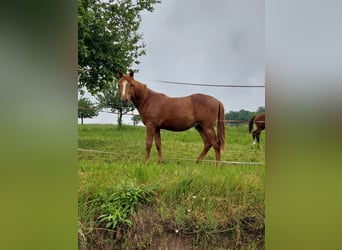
(120, 73)
(131, 73)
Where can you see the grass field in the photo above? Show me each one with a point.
(127, 204)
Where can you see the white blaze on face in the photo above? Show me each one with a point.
(124, 84)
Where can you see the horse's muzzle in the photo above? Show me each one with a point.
(124, 102)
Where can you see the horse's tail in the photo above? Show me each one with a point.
(221, 128)
(250, 125)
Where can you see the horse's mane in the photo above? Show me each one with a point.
(141, 90)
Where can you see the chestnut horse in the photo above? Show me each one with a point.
(158, 111)
(259, 121)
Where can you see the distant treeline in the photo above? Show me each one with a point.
(243, 115)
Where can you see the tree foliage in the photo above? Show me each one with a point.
(110, 99)
(108, 39)
(239, 115)
(86, 109)
(260, 110)
(243, 115)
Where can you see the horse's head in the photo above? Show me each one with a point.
(126, 87)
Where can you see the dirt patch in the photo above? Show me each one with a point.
(149, 231)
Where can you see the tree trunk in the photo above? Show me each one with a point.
(82, 120)
(120, 118)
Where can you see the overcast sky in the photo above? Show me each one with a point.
(208, 42)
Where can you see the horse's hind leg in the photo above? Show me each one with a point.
(256, 137)
(253, 136)
(206, 142)
(210, 132)
(209, 139)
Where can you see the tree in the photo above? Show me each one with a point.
(242, 115)
(86, 109)
(108, 39)
(260, 110)
(136, 119)
(110, 98)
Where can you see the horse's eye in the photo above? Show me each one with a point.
(131, 85)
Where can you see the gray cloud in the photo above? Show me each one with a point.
(217, 42)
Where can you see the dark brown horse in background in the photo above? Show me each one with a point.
(159, 111)
(259, 121)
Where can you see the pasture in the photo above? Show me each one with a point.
(127, 204)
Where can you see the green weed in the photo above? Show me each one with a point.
(120, 204)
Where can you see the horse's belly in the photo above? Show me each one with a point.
(179, 125)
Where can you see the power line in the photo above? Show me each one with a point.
(213, 85)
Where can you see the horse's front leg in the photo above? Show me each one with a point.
(157, 140)
(150, 130)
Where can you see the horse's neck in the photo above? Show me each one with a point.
(141, 95)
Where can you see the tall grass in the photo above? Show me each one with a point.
(174, 204)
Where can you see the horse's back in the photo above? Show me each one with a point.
(195, 103)
(171, 113)
(260, 117)
(205, 107)
(260, 120)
